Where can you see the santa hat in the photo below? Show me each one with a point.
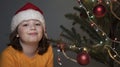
(28, 11)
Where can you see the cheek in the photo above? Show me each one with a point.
(40, 32)
(21, 32)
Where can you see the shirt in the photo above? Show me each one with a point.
(14, 58)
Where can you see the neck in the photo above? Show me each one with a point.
(29, 49)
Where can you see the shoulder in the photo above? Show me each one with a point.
(8, 57)
(8, 51)
(49, 50)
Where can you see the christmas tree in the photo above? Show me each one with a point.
(100, 19)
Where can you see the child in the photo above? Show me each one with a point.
(29, 46)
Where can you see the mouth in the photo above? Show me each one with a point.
(34, 33)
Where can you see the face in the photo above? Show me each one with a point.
(30, 31)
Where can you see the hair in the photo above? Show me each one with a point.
(14, 42)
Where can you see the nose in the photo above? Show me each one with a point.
(33, 27)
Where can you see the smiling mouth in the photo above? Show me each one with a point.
(33, 33)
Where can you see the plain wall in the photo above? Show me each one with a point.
(54, 11)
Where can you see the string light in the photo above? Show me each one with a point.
(99, 1)
(104, 34)
(74, 60)
(84, 49)
(107, 38)
(58, 58)
(96, 27)
(92, 23)
(110, 54)
(115, 38)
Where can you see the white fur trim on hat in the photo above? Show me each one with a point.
(26, 15)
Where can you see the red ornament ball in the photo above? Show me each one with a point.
(99, 10)
(83, 58)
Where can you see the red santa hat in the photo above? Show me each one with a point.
(28, 11)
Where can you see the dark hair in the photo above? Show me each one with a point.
(14, 42)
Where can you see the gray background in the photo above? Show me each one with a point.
(54, 11)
